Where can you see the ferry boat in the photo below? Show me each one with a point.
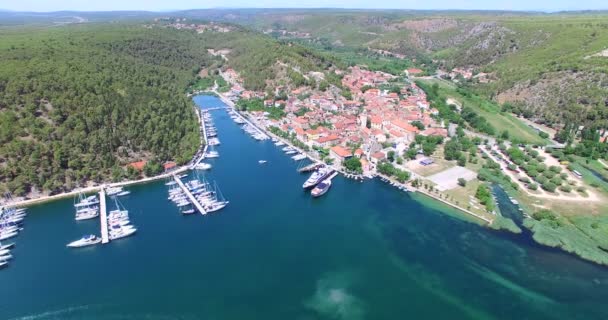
(85, 241)
(321, 188)
(317, 176)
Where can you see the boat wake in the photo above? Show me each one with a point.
(55, 314)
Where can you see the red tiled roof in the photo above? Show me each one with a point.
(138, 165)
(341, 151)
(378, 155)
(331, 137)
(169, 165)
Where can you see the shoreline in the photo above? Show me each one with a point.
(474, 215)
(74, 192)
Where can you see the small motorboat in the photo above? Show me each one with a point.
(262, 161)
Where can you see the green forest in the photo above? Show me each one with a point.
(77, 103)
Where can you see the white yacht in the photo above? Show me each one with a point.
(6, 246)
(202, 166)
(215, 206)
(88, 201)
(6, 257)
(262, 161)
(110, 191)
(8, 235)
(5, 251)
(123, 193)
(86, 213)
(85, 241)
(212, 154)
(122, 232)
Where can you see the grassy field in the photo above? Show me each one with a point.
(518, 131)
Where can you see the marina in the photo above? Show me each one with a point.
(190, 196)
(359, 242)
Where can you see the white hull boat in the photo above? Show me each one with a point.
(85, 241)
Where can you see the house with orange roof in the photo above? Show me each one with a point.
(376, 122)
(169, 165)
(138, 165)
(377, 157)
(339, 153)
(441, 132)
(327, 141)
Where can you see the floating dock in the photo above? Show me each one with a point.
(103, 217)
(190, 196)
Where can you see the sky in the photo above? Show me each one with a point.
(168, 5)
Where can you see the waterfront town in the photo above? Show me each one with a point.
(368, 126)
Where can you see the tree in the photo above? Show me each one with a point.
(462, 182)
(549, 186)
(411, 153)
(353, 164)
(391, 156)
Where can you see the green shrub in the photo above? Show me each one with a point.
(533, 186)
(566, 188)
(549, 186)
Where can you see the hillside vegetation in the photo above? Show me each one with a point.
(78, 103)
(551, 67)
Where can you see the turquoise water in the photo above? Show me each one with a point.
(362, 251)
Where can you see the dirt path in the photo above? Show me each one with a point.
(591, 196)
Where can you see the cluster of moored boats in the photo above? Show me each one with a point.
(119, 225)
(256, 133)
(11, 223)
(291, 151)
(87, 207)
(236, 117)
(211, 131)
(249, 128)
(319, 181)
(209, 197)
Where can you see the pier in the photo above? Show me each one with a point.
(103, 217)
(195, 202)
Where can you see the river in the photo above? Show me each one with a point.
(362, 251)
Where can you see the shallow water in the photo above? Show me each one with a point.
(362, 251)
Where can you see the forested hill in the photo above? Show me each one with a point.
(79, 102)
